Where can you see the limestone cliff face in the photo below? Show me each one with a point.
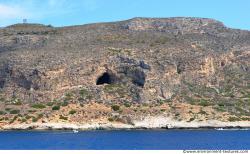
(142, 60)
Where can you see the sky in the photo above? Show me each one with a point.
(233, 13)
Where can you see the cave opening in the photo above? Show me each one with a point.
(105, 78)
(139, 78)
(2, 84)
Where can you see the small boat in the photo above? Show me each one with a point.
(75, 131)
(219, 129)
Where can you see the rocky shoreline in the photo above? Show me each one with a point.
(147, 123)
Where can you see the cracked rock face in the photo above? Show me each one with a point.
(142, 60)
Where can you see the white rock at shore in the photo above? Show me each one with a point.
(148, 123)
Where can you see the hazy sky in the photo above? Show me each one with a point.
(234, 13)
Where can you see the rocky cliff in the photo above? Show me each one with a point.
(187, 68)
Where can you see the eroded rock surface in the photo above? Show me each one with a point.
(139, 61)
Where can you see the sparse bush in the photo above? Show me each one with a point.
(14, 111)
(14, 119)
(7, 109)
(2, 113)
(232, 119)
(72, 112)
(27, 117)
(127, 104)
(68, 97)
(115, 107)
(31, 111)
(202, 112)
(34, 119)
(190, 100)
(63, 118)
(50, 104)
(2, 99)
(111, 88)
(245, 118)
(204, 102)
(83, 92)
(161, 40)
(110, 119)
(38, 106)
(23, 120)
(160, 102)
(64, 103)
(39, 116)
(56, 107)
(177, 114)
(191, 119)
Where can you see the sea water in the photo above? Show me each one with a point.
(126, 139)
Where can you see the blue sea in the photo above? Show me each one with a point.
(126, 140)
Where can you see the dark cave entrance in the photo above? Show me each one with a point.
(104, 79)
(2, 84)
(139, 78)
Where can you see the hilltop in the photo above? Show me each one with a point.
(187, 69)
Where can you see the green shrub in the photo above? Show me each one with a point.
(163, 110)
(2, 99)
(14, 119)
(63, 118)
(27, 117)
(7, 109)
(161, 40)
(115, 107)
(202, 112)
(245, 118)
(38, 106)
(72, 112)
(177, 114)
(23, 120)
(64, 103)
(34, 119)
(68, 97)
(232, 119)
(111, 88)
(31, 111)
(2, 113)
(39, 116)
(56, 107)
(127, 104)
(14, 111)
(191, 119)
(83, 93)
(204, 102)
(190, 100)
(110, 119)
(50, 104)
